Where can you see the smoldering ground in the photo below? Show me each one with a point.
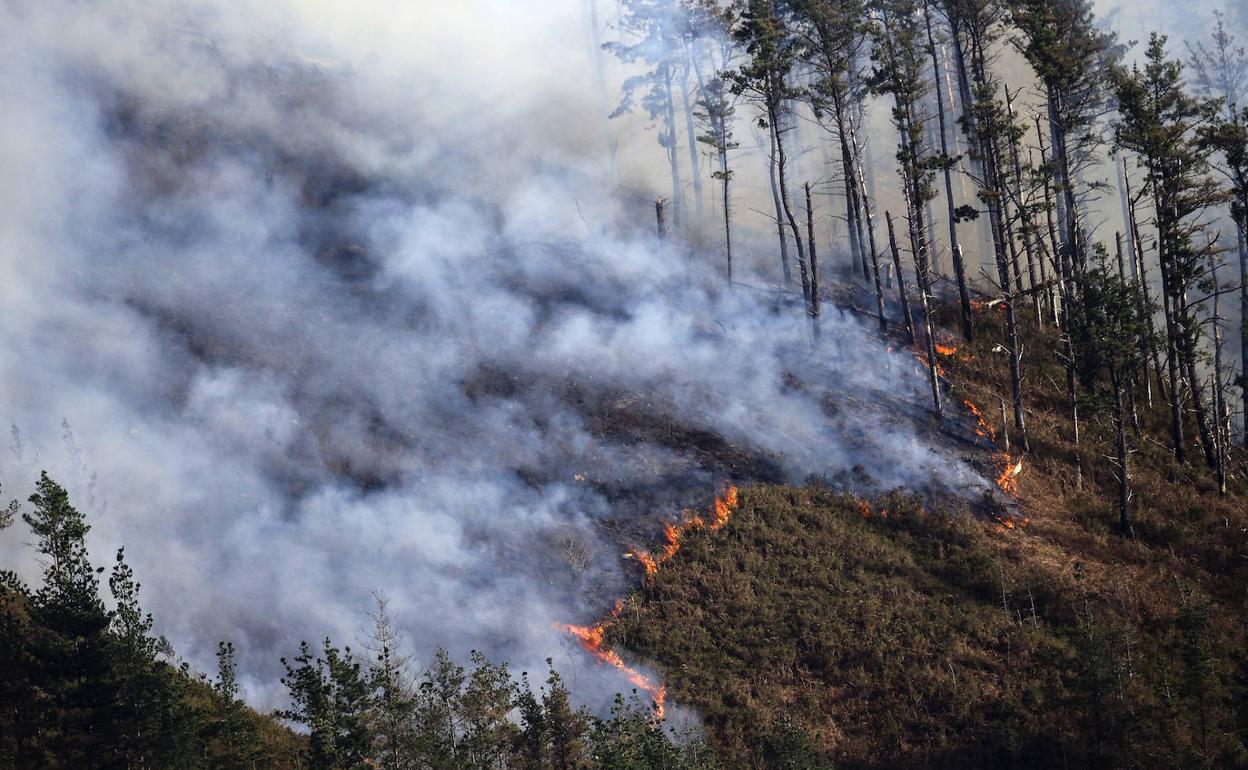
(306, 304)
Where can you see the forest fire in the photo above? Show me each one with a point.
(982, 428)
(591, 638)
(946, 350)
(725, 504)
(1010, 469)
(673, 534)
(1008, 480)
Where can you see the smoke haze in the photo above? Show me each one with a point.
(307, 300)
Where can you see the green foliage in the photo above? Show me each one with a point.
(81, 687)
(329, 697)
(1109, 328)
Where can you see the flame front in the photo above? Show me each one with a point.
(591, 638)
(1008, 480)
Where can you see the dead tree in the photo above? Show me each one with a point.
(901, 279)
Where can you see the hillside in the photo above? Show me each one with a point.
(880, 634)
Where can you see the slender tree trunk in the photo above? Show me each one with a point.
(923, 278)
(814, 265)
(1123, 458)
(853, 198)
(774, 115)
(691, 138)
(1146, 291)
(1243, 310)
(901, 279)
(969, 120)
(725, 180)
(1220, 439)
(1197, 390)
(775, 197)
(673, 152)
(955, 248)
(1024, 214)
(864, 199)
(1175, 384)
(1054, 249)
(1067, 206)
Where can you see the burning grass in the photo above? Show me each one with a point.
(591, 638)
(896, 636)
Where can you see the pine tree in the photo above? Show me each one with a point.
(392, 710)
(717, 113)
(1163, 126)
(1108, 328)
(652, 30)
(232, 743)
(71, 644)
(763, 79)
(487, 702)
(899, 72)
(977, 29)
(330, 698)
(439, 712)
(1228, 136)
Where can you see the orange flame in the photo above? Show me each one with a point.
(946, 350)
(647, 562)
(1008, 480)
(725, 504)
(982, 428)
(591, 640)
(591, 637)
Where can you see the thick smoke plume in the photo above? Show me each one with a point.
(309, 300)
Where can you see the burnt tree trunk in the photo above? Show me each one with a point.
(1122, 456)
(814, 265)
(901, 279)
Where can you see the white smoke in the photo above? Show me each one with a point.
(308, 300)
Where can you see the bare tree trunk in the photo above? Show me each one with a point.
(691, 138)
(1243, 310)
(725, 180)
(923, 276)
(1197, 390)
(1122, 458)
(853, 198)
(774, 116)
(775, 196)
(868, 211)
(991, 162)
(1172, 346)
(1145, 289)
(1024, 215)
(1055, 297)
(969, 120)
(955, 248)
(1220, 439)
(901, 279)
(660, 216)
(673, 157)
(814, 265)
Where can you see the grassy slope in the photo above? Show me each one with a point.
(911, 640)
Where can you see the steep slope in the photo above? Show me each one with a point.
(818, 628)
